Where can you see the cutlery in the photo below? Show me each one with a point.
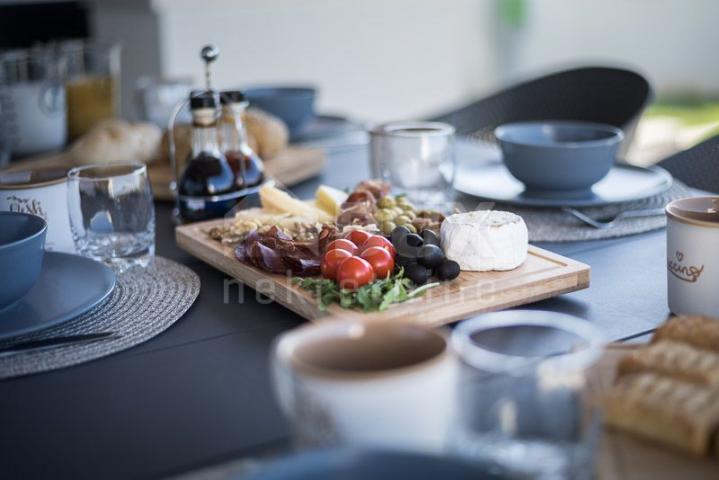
(47, 343)
(608, 221)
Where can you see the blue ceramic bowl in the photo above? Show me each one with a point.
(559, 157)
(294, 105)
(22, 238)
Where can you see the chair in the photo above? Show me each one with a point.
(593, 94)
(698, 166)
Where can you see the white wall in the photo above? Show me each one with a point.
(390, 59)
(373, 59)
(672, 41)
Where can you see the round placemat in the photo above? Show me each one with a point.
(144, 303)
(554, 225)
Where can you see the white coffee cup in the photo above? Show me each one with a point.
(693, 255)
(371, 384)
(41, 192)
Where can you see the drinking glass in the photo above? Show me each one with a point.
(112, 217)
(92, 83)
(524, 401)
(417, 158)
(32, 103)
(156, 99)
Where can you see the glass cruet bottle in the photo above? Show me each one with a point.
(207, 172)
(246, 164)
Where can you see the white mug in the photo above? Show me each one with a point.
(693, 255)
(41, 192)
(371, 384)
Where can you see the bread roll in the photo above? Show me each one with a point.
(268, 132)
(115, 141)
(666, 410)
(696, 330)
(678, 360)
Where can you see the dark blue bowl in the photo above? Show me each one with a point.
(294, 105)
(22, 238)
(559, 157)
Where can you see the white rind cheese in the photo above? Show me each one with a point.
(485, 240)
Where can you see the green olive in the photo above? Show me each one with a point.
(411, 228)
(410, 214)
(386, 202)
(402, 220)
(398, 210)
(388, 226)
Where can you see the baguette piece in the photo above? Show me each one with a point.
(696, 330)
(675, 359)
(679, 414)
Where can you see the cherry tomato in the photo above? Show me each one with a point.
(358, 237)
(381, 260)
(354, 272)
(379, 241)
(344, 244)
(332, 260)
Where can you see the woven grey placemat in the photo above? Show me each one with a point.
(554, 225)
(144, 303)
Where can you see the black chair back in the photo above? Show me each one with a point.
(592, 94)
(698, 166)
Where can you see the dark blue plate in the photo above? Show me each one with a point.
(351, 464)
(69, 285)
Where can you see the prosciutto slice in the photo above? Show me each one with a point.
(275, 251)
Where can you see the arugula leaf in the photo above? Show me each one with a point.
(375, 296)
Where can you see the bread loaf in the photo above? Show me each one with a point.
(678, 360)
(116, 141)
(268, 133)
(666, 410)
(696, 330)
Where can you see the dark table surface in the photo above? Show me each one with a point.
(200, 392)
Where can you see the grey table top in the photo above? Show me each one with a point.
(200, 392)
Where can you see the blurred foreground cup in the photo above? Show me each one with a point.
(368, 384)
(525, 402)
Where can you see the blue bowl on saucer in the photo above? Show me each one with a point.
(559, 158)
(293, 105)
(22, 239)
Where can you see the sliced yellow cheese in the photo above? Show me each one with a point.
(330, 199)
(280, 201)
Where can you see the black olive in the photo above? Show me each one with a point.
(430, 255)
(409, 245)
(398, 234)
(419, 274)
(430, 237)
(447, 270)
(404, 261)
(414, 240)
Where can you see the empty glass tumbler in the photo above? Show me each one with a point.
(417, 158)
(112, 216)
(524, 394)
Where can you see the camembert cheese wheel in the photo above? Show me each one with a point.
(485, 240)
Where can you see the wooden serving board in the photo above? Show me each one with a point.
(543, 275)
(290, 166)
(623, 456)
